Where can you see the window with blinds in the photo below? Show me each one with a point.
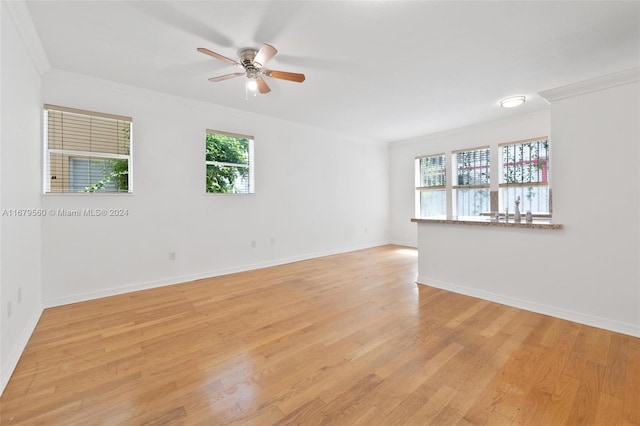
(229, 163)
(431, 180)
(471, 188)
(86, 151)
(524, 173)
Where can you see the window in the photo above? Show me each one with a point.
(229, 163)
(525, 173)
(86, 151)
(471, 188)
(431, 198)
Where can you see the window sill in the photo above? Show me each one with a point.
(86, 194)
(536, 224)
(227, 194)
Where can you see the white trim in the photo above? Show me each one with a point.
(2, 368)
(523, 141)
(593, 85)
(19, 12)
(233, 135)
(86, 113)
(443, 154)
(83, 297)
(479, 148)
(74, 153)
(404, 243)
(9, 365)
(221, 164)
(579, 317)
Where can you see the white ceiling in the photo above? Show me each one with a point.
(382, 71)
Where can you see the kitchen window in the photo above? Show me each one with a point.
(471, 185)
(524, 173)
(431, 181)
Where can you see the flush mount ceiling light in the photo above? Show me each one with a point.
(512, 101)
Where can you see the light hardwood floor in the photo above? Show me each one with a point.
(347, 339)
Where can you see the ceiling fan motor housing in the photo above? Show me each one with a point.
(247, 55)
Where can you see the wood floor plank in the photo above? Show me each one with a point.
(585, 407)
(562, 400)
(598, 349)
(467, 313)
(427, 412)
(609, 411)
(632, 383)
(615, 372)
(348, 339)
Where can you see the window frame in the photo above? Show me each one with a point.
(80, 154)
(485, 187)
(419, 188)
(250, 161)
(546, 173)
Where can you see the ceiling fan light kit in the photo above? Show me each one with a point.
(253, 62)
(252, 84)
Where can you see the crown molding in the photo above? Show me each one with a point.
(593, 85)
(20, 14)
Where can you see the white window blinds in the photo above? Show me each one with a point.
(432, 171)
(472, 168)
(86, 151)
(525, 163)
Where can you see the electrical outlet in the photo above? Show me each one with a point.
(19, 294)
(172, 255)
(253, 243)
(273, 241)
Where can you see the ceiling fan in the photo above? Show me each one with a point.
(253, 62)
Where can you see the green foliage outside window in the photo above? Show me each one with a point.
(230, 171)
(115, 171)
(523, 163)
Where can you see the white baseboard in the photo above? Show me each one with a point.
(10, 364)
(112, 291)
(411, 244)
(579, 317)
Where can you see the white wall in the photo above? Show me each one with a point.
(598, 260)
(316, 193)
(402, 156)
(20, 179)
(587, 272)
(3, 369)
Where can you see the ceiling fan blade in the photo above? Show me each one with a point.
(226, 76)
(217, 56)
(265, 54)
(282, 75)
(263, 87)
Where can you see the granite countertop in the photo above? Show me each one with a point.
(536, 224)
